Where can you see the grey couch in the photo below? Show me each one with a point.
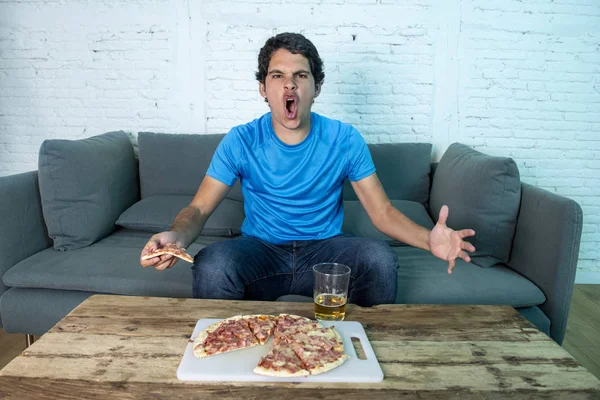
(77, 225)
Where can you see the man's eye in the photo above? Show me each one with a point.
(303, 76)
(276, 76)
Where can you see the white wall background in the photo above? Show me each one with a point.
(517, 78)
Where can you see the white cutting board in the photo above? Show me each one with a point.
(239, 365)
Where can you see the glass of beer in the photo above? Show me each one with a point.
(331, 291)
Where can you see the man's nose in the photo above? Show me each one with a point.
(290, 84)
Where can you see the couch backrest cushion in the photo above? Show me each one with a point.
(176, 163)
(482, 193)
(157, 213)
(85, 185)
(402, 168)
(358, 223)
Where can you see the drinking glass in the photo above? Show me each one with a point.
(330, 291)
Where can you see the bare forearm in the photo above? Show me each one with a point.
(398, 226)
(188, 224)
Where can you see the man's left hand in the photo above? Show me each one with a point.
(448, 244)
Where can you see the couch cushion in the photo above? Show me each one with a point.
(483, 193)
(177, 163)
(109, 266)
(22, 217)
(533, 313)
(157, 213)
(85, 185)
(402, 168)
(36, 311)
(424, 279)
(112, 266)
(358, 223)
(536, 317)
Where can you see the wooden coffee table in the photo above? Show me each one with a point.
(130, 347)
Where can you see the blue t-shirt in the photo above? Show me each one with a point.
(292, 192)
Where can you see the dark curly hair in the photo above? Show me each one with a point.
(295, 43)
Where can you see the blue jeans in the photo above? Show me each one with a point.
(248, 268)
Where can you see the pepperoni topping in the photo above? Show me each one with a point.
(299, 344)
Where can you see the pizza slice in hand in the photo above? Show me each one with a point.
(172, 249)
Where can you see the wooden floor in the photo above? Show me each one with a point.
(583, 328)
(582, 339)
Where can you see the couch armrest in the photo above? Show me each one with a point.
(22, 230)
(545, 250)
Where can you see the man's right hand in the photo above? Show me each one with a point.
(156, 242)
(188, 223)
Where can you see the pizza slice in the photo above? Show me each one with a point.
(289, 326)
(320, 350)
(224, 336)
(172, 249)
(281, 361)
(261, 325)
(325, 338)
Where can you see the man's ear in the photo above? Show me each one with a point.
(262, 90)
(318, 89)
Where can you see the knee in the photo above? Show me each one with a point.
(215, 274)
(213, 266)
(380, 258)
(382, 270)
(207, 258)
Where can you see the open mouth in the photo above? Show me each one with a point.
(291, 107)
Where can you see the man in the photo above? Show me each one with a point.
(292, 164)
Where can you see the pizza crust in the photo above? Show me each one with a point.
(200, 352)
(281, 361)
(280, 374)
(329, 366)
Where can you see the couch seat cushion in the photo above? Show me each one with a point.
(108, 266)
(157, 213)
(424, 279)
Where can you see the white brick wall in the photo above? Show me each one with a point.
(530, 89)
(378, 62)
(516, 78)
(74, 69)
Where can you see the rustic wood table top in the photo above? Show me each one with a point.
(130, 347)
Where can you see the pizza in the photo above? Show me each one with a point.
(289, 326)
(261, 326)
(320, 351)
(301, 346)
(224, 336)
(281, 361)
(172, 249)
